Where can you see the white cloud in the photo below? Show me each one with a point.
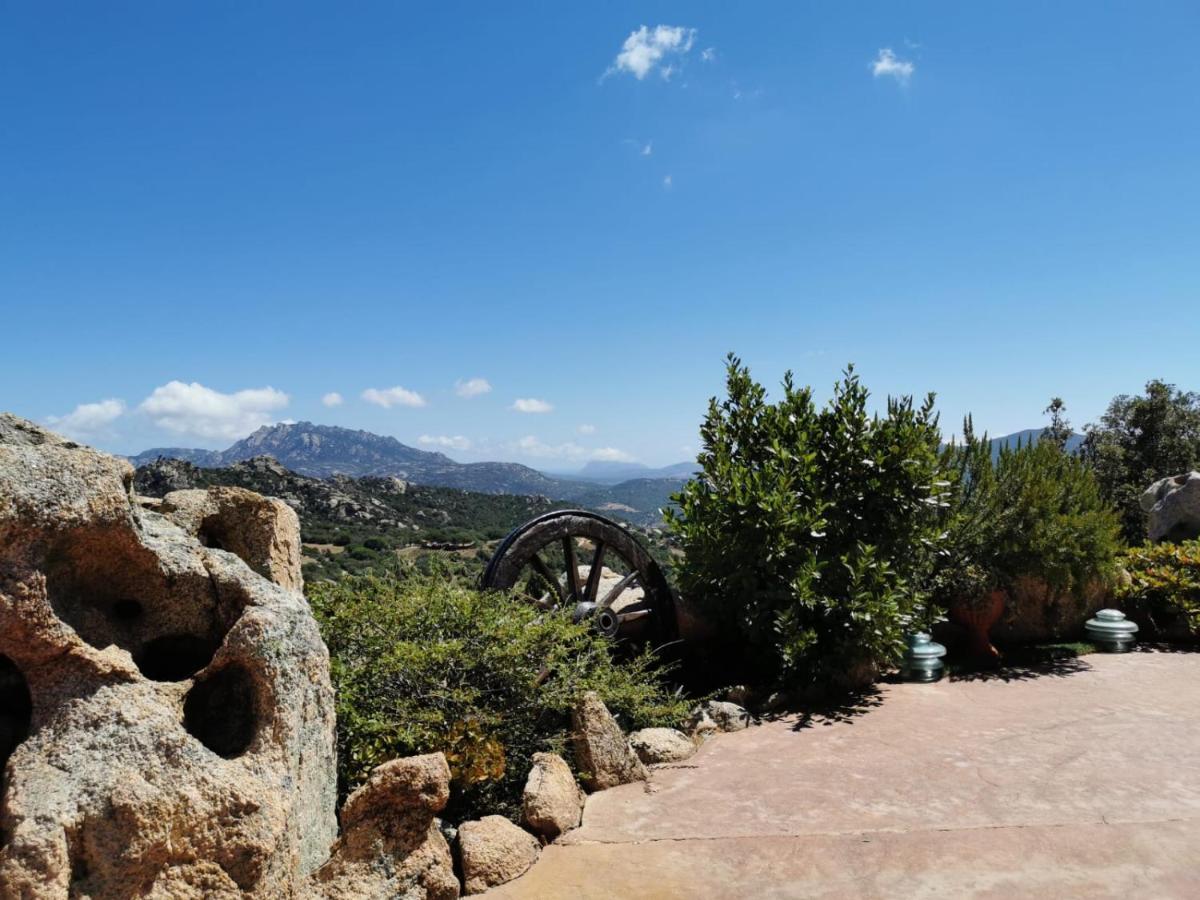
(587, 429)
(648, 149)
(645, 48)
(611, 454)
(457, 442)
(709, 54)
(667, 182)
(333, 398)
(472, 387)
(393, 396)
(198, 410)
(888, 65)
(569, 450)
(531, 405)
(88, 418)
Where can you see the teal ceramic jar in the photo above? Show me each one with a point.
(1111, 631)
(923, 659)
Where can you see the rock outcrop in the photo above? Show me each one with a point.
(166, 712)
(1172, 507)
(661, 745)
(601, 750)
(493, 851)
(391, 845)
(552, 802)
(262, 531)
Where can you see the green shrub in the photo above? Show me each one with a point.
(1033, 511)
(1164, 582)
(809, 532)
(422, 664)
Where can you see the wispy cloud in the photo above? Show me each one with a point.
(646, 48)
(457, 442)
(667, 182)
(472, 387)
(709, 54)
(333, 398)
(393, 396)
(611, 454)
(888, 65)
(586, 429)
(531, 405)
(648, 148)
(201, 411)
(532, 446)
(88, 419)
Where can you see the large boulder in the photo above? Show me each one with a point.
(661, 745)
(166, 715)
(263, 531)
(1172, 507)
(552, 802)
(391, 845)
(493, 851)
(601, 750)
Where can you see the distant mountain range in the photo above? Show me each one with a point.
(629, 490)
(323, 451)
(1030, 435)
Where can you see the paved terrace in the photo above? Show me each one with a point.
(1078, 781)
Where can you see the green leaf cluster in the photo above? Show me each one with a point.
(809, 532)
(421, 664)
(1164, 582)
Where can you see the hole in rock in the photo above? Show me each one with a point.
(221, 711)
(126, 610)
(16, 710)
(115, 590)
(174, 657)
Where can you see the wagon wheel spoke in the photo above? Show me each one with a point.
(617, 589)
(593, 581)
(539, 566)
(573, 586)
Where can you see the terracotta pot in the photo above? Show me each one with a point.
(978, 616)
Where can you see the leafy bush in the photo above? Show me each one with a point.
(1164, 582)
(1033, 511)
(809, 532)
(1139, 440)
(423, 664)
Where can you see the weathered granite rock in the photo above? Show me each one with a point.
(601, 750)
(391, 844)
(726, 716)
(661, 745)
(167, 711)
(263, 531)
(1172, 506)
(701, 727)
(552, 801)
(493, 851)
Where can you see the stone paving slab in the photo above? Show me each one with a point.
(1083, 781)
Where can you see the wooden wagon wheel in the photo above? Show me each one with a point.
(543, 559)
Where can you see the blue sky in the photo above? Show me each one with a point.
(213, 215)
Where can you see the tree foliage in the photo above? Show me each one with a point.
(1139, 440)
(809, 531)
(1164, 582)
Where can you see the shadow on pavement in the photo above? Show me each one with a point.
(834, 712)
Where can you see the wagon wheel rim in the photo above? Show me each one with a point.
(521, 557)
